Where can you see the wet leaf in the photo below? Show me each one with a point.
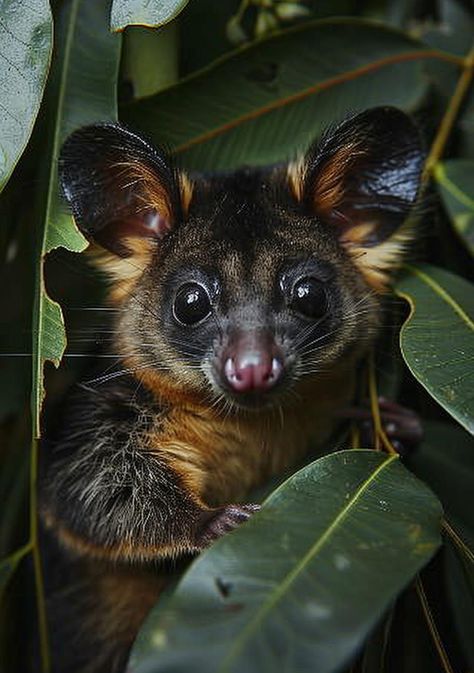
(304, 580)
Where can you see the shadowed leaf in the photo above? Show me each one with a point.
(437, 339)
(456, 184)
(263, 102)
(82, 90)
(303, 581)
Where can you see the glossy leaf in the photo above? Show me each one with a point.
(261, 103)
(144, 13)
(304, 580)
(437, 339)
(82, 90)
(26, 31)
(456, 184)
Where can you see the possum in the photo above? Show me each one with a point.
(244, 302)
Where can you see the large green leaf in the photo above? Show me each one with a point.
(456, 183)
(83, 90)
(263, 102)
(144, 13)
(305, 580)
(437, 339)
(26, 31)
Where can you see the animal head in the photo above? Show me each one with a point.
(241, 284)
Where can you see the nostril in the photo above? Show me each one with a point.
(244, 375)
(276, 370)
(267, 373)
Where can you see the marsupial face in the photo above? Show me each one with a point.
(243, 284)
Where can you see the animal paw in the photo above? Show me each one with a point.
(401, 425)
(218, 522)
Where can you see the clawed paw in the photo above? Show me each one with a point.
(401, 425)
(221, 521)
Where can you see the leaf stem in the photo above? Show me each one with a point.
(450, 115)
(432, 627)
(458, 540)
(381, 438)
(38, 571)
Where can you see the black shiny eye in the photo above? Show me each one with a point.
(191, 304)
(309, 298)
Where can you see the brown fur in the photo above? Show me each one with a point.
(162, 459)
(147, 189)
(221, 458)
(186, 188)
(329, 188)
(123, 272)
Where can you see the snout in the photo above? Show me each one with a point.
(251, 363)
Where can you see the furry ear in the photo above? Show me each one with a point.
(363, 178)
(121, 190)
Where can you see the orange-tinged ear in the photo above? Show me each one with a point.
(363, 178)
(120, 188)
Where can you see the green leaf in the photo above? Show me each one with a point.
(304, 580)
(142, 50)
(82, 90)
(445, 461)
(263, 102)
(456, 184)
(25, 51)
(437, 339)
(144, 13)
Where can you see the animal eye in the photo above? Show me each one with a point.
(309, 298)
(191, 304)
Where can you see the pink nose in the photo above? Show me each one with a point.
(252, 371)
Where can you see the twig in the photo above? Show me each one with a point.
(432, 627)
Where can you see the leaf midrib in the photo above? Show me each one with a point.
(279, 103)
(292, 575)
(39, 307)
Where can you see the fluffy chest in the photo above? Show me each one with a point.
(222, 458)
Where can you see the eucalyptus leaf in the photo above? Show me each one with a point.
(305, 579)
(263, 102)
(26, 32)
(144, 13)
(456, 184)
(445, 461)
(82, 90)
(437, 338)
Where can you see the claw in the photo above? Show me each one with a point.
(216, 523)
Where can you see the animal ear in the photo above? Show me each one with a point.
(123, 192)
(363, 178)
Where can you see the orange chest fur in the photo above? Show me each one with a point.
(220, 459)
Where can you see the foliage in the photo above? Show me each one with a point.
(283, 592)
